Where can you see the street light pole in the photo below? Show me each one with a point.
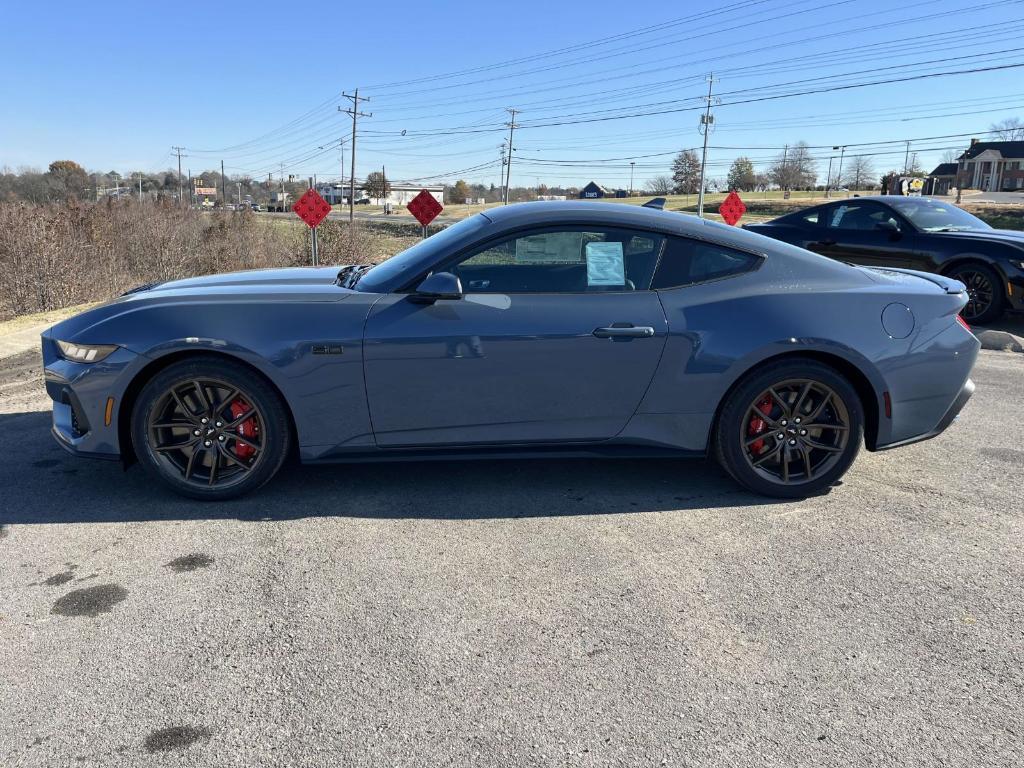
(839, 175)
(632, 164)
(828, 178)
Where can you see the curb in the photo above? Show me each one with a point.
(1000, 341)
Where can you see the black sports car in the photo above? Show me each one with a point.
(917, 233)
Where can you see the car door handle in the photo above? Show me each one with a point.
(624, 332)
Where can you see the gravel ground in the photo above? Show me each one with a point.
(524, 613)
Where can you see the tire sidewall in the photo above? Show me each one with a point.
(729, 450)
(251, 384)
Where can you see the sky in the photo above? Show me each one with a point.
(597, 85)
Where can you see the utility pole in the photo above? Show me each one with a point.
(501, 178)
(785, 172)
(223, 185)
(508, 168)
(140, 186)
(828, 179)
(178, 150)
(632, 164)
(239, 192)
(906, 160)
(706, 121)
(355, 114)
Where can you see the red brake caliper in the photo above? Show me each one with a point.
(758, 425)
(247, 428)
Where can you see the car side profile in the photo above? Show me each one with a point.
(915, 233)
(536, 329)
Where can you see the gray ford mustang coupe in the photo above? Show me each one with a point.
(532, 330)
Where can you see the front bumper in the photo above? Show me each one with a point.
(80, 393)
(948, 418)
(1015, 293)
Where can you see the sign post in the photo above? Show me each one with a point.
(732, 209)
(312, 209)
(424, 207)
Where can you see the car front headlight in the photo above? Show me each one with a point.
(85, 353)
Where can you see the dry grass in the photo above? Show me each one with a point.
(54, 256)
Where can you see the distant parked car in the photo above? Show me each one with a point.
(916, 233)
(560, 328)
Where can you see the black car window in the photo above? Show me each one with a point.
(563, 260)
(864, 216)
(686, 262)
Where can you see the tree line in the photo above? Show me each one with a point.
(795, 168)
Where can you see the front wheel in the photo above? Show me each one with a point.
(790, 429)
(210, 429)
(984, 293)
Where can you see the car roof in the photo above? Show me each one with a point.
(608, 214)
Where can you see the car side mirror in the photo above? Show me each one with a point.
(440, 285)
(888, 225)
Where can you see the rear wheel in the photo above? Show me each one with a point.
(984, 293)
(790, 429)
(210, 429)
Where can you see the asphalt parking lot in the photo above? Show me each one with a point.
(529, 613)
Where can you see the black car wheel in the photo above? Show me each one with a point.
(984, 295)
(210, 429)
(790, 429)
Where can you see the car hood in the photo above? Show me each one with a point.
(1010, 236)
(255, 287)
(312, 282)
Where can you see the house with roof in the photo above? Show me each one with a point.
(942, 180)
(992, 166)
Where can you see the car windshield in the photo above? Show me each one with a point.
(934, 216)
(404, 264)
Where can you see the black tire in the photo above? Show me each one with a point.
(222, 457)
(985, 302)
(778, 465)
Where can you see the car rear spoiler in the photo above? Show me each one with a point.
(945, 283)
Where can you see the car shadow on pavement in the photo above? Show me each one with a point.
(42, 484)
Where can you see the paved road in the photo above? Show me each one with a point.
(532, 613)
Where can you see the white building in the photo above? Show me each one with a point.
(400, 194)
(992, 166)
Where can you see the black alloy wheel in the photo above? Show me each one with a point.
(790, 429)
(210, 429)
(984, 300)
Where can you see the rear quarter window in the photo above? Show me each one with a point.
(687, 262)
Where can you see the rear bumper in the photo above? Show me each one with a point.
(948, 418)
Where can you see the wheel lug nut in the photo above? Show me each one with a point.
(781, 436)
(783, 422)
(221, 438)
(797, 420)
(204, 420)
(196, 432)
(792, 442)
(220, 424)
(803, 431)
(207, 443)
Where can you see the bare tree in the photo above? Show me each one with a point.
(951, 155)
(1010, 129)
(659, 185)
(795, 168)
(859, 174)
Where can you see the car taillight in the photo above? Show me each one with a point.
(963, 322)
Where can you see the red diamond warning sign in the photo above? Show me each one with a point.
(424, 207)
(311, 208)
(732, 208)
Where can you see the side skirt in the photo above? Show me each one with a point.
(510, 452)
